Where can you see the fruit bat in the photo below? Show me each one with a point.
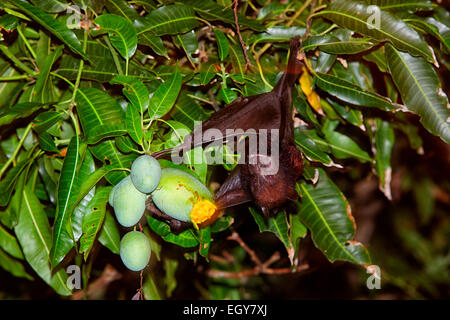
(248, 182)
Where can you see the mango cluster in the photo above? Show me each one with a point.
(175, 192)
(128, 200)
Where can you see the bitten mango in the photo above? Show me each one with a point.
(179, 192)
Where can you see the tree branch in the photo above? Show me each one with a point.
(259, 268)
(247, 61)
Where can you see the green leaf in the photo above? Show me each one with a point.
(150, 289)
(188, 111)
(421, 91)
(311, 150)
(333, 45)
(204, 236)
(19, 111)
(277, 224)
(121, 32)
(67, 188)
(351, 115)
(53, 25)
(135, 91)
(34, 235)
(47, 143)
(133, 123)
(93, 220)
(222, 224)
(165, 96)
(207, 73)
(326, 213)
(402, 5)
(211, 11)
(43, 83)
(196, 159)
(378, 57)
(8, 22)
(126, 145)
(343, 147)
(297, 231)
(222, 44)
(9, 244)
(185, 239)
(443, 28)
(227, 95)
(45, 120)
(361, 18)
(177, 134)
(47, 179)
(101, 116)
(87, 168)
(154, 42)
(122, 8)
(277, 34)
(442, 34)
(170, 266)
(109, 235)
(237, 60)
(384, 142)
(9, 181)
(108, 154)
(189, 43)
(272, 9)
(51, 6)
(171, 19)
(351, 93)
(102, 67)
(13, 266)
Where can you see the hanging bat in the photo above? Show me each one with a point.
(249, 182)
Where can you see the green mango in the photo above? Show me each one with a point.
(145, 173)
(129, 203)
(135, 250)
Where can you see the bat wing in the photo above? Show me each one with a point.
(232, 192)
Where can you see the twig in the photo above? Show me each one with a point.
(141, 281)
(298, 13)
(236, 21)
(236, 237)
(213, 100)
(259, 268)
(309, 21)
(219, 259)
(213, 273)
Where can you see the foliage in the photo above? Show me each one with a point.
(87, 86)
